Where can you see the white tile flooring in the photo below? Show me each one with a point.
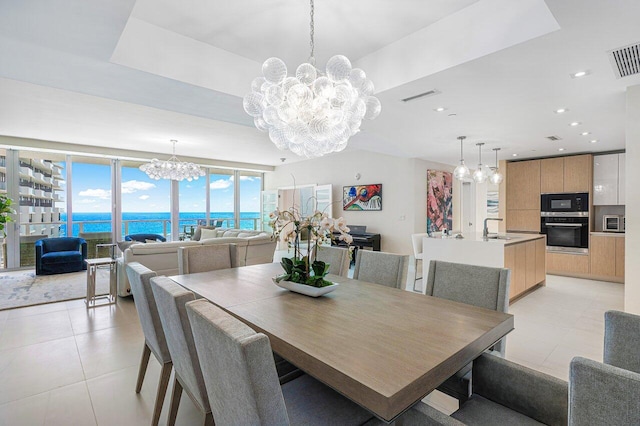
(63, 365)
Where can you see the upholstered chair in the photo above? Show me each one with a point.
(602, 394)
(60, 255)
(474, 285)
(416, 242)
(622, 340)
(504, 393)
(336, 257)
(242, 384)
(171, 299)
(205, 258)
(154, 339)
(143, 238)
(381, 268)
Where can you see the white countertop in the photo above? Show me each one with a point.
(609, 234)
(504, 239)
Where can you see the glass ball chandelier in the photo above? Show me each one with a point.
(462, 171)
(480, 174)
(311, 113)
(172, 168)
(496, 177)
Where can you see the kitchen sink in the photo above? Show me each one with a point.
(501, 237)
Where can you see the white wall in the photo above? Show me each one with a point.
(404, 187)
(632, 248)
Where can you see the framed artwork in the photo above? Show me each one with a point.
(439, 197)
(493, 198)
(362, 197)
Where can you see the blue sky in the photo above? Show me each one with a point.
(92, 191)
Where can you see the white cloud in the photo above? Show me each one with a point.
(131, 186)
(143, 197)
(249, 178)
(86, 201)
(221, 183)
(98, 192)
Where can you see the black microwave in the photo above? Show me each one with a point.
(574, 202)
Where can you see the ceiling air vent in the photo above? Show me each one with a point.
(626, 60)
(554, 138)
(421, 95)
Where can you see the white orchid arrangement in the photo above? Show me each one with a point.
(315, 229)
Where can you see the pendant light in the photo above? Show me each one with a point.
(480, 174)
(462, 171)
(496, 177)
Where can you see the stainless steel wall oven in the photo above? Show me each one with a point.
(564, 218)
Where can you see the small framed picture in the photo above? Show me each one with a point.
(362, 197)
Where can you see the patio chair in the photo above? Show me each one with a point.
(60, 255)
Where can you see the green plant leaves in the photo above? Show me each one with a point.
(296, 271)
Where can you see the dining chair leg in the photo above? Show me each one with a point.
(208, 419)
(416, 277)
(144, 362)
(175, 402)
(165, 375)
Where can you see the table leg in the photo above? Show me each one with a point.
(113, 282)
(91, 286)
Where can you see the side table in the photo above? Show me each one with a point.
(111, 246)
(92, 270)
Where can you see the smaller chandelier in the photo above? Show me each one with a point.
(172, 168)
(480, 175)
(311, 112)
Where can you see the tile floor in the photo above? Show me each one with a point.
(63, 365)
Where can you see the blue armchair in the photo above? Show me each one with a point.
(144, 237)
(60, 255)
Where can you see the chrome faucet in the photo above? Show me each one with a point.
(485, 230)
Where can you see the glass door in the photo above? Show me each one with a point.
(269, 204)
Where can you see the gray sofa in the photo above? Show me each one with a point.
(248, 248)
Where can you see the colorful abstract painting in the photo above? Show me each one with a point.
(362, 197)
(439, 206)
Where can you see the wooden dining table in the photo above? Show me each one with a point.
(381, 347)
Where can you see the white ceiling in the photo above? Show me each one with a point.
(134, 74)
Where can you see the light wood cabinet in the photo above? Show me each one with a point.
(567, 264)
(552, 175)
(603, 256)
(578, 173)
(523, 220)
(607, 257)
(523, 186)
(527, 264)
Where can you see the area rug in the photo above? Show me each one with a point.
(25, 288)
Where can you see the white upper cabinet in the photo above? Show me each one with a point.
(606, 179)
(621, 179)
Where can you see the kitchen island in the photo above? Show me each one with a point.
(523, 254)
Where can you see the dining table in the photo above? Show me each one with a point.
(382, 347)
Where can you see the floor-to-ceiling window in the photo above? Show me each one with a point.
(193, 206)
(250, 189)
(146, 203)
(222, 204)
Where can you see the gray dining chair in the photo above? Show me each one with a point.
(210, 257)
(242, 384)
(622, 340)
(336, 257)
(154, 339)
(504, 393)
(171, 298)
(480, 286)
(602, 394)
(381, 268)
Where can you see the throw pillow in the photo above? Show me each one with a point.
(123, 245)
(197, 236)
(208, 234)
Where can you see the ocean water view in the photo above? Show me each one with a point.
(154, 223)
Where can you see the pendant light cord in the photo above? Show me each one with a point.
(312, 59)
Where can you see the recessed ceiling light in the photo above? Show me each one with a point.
(585, 133)
(439, 109)
(514, 155)
(560, 149)
(580, 74)
(574, 124)
(561, 110)
(593, 140)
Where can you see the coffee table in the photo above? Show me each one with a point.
(92, 270)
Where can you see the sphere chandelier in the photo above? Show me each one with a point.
(172, 168)
(496, 177)
(480, 174)
(462, 171)
(312, 113)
